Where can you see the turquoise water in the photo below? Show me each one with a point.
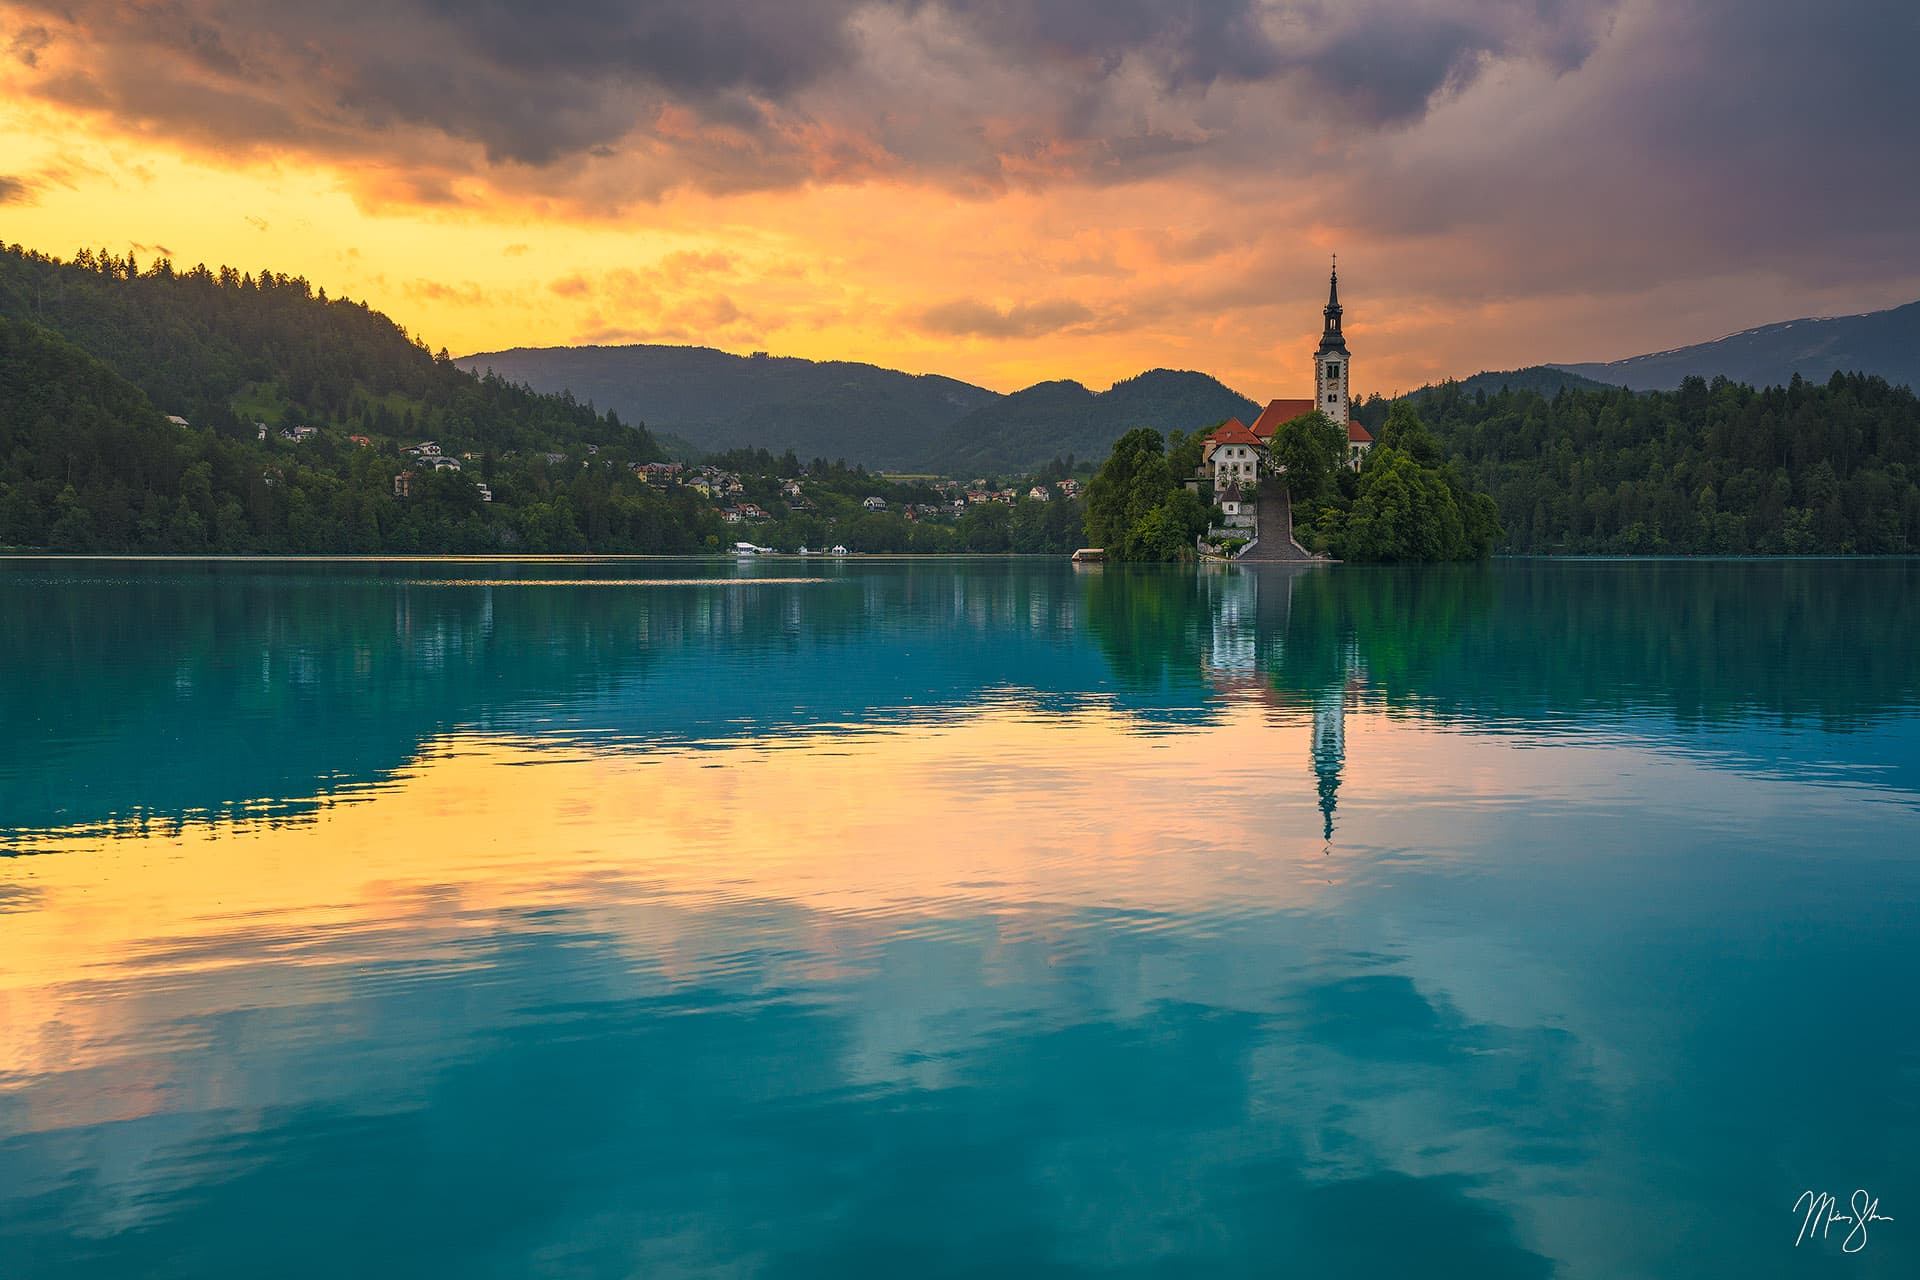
(895, 918)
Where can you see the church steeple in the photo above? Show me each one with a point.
(1330, 376)
(1331, 338)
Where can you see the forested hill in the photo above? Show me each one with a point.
(225, 350)
(100, 352)
(1712, 468)
(1053, 419)
(1544, 378)
(718, 401)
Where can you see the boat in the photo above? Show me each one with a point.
(838, 550)
(1090, 555)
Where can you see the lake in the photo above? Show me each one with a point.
(936, 918)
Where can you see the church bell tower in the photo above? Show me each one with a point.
(1330, 361)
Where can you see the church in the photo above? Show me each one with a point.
(1234, 451)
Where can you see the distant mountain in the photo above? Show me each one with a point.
(716, 401)
(1030, 427)
(1886, 343)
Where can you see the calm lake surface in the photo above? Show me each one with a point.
(939, 918)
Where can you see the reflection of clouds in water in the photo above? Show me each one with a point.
(557, 1102)
(1135, 1031)
(944, 922)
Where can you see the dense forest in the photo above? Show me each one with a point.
(155, 410)
(1712, 468)
(97, 356)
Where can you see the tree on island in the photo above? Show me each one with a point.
(1136, 507)
(1404, 506)
(1308, 451)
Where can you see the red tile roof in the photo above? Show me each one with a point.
(1232, 431)
(1277, 412)
(1357, 434)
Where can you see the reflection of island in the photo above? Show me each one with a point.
(249, 688)
(1252, 615)
(1728, 651)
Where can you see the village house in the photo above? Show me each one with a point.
(177, 420)
(1039, 493)
(299, 434)
(403, 485)
(874, 504)
(485, 491)
(362, 441)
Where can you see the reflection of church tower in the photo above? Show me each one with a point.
(1329, 750)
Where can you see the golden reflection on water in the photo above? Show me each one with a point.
(1008, 812)
(1008, 815)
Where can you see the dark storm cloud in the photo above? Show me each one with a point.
(528, 81)
(15, 190)
(724, 94)
(1184, 41)
(1710, 137)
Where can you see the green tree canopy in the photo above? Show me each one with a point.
(1135, 506)
(1310, 450)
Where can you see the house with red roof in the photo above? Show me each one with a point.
(1232, 453)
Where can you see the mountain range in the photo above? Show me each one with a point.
(880, 417)
(716, 401)
(1886, 343)
(710, 401)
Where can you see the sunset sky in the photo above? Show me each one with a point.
(995, 190)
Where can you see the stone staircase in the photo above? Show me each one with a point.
(1275, 545)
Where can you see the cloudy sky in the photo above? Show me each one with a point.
(997, 190)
